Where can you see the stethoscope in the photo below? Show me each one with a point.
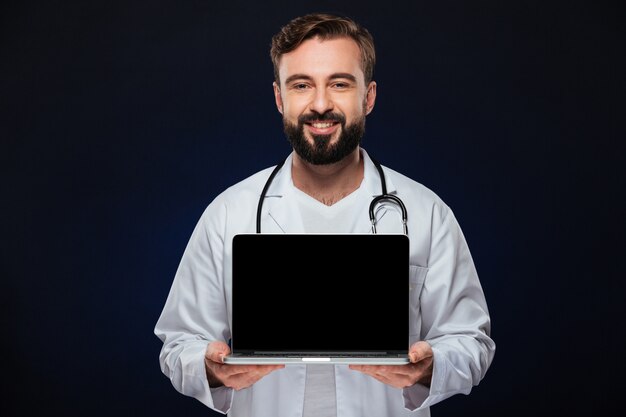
(377, 200)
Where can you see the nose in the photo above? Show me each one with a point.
(321, 102)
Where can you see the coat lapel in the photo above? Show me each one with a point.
(282, 211)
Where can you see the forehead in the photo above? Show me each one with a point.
(322, 58)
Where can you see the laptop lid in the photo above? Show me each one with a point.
(320, 298)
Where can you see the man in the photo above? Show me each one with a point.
(324, 90)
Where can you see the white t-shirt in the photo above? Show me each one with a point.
(319, 391)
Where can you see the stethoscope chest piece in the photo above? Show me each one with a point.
(386, 197)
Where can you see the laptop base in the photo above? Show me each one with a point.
(316, 360)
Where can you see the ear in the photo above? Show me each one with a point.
(277, 98)
(370, 98)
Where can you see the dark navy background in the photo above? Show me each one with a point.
(121, 120)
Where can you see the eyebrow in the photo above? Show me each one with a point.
(337, 75)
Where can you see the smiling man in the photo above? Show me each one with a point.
(326, 99)
(323, 95)
(324, 90)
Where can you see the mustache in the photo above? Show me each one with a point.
(326, 117)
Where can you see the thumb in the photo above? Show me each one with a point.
(419, 351)
(217, 350)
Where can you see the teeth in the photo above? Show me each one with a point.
(321, 125)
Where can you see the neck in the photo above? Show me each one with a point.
(328, 183)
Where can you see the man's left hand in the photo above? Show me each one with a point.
(420, 370)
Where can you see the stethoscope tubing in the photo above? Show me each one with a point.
(372, 214)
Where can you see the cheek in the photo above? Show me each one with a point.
(293, 107)
(353, 107)
(355, 111)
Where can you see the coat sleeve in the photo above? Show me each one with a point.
(455, 318)
(195, 312)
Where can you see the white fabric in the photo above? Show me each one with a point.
(320, 397)
(448, 308)
(320, 218)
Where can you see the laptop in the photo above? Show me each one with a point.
(320, 298)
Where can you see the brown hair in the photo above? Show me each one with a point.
(325, 26)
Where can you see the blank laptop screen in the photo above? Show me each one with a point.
(320, 293)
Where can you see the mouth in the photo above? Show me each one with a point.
(322, 127)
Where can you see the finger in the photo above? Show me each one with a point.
(366, 369)
(385, 379)
(386, 372)
(419, 351)
(262, 370)
(396, 381)
(240, 380)
(266, 369)
(398, 376)
(376, 369)
(217, 350)
(243, 378)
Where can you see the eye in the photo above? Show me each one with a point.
(341, 85)
(300, 86)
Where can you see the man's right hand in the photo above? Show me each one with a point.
(233, 376)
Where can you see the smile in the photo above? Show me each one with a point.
(323, 128)
(322, 125)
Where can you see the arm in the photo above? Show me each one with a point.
(195, 313)
(454, 317)
(455, 349)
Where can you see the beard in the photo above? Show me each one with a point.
(321, 151)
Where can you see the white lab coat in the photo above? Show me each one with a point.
(448, 308)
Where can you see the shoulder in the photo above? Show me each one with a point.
(417, 193)
(249, 187)
(237, 203)
(429, 218)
